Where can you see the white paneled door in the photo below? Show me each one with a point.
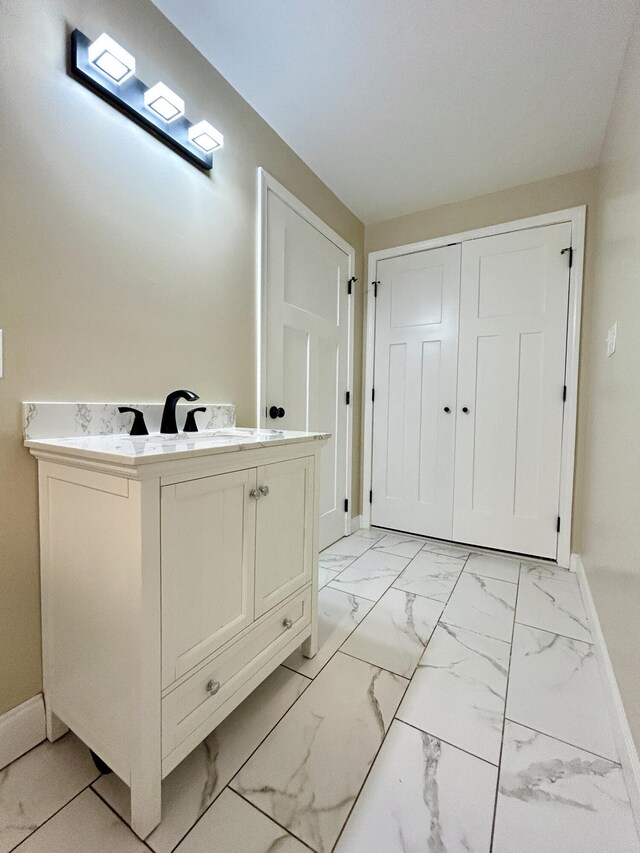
(469, 366)
(306, 328)
(416, 348)
(513, 331)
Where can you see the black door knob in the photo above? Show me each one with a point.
(447, 409)
(280, 412)
(276, 412)
(465, 410)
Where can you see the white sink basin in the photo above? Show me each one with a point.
(222, 435)
(255, 433)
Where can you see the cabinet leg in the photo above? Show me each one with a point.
(55, 727)
(146, 805)
(310, 645)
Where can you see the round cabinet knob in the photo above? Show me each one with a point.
(273, 412)
(465, 410)
(264, 490)
(287, 623)
(255, 494)
(213, 687)
(447, 409)
(281, 412)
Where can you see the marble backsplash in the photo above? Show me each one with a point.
(62, 420)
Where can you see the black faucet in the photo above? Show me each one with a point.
(169, 425)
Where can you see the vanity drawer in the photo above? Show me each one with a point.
(189, 705)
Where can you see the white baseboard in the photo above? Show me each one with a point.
(21, 729)
(356, 523)
(621, 730)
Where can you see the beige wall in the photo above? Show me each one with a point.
(503, 206)
(610, 471)
(124, 271)
(545, 196)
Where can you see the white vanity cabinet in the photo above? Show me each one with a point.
(172, 585)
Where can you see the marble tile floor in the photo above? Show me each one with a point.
(455, 704)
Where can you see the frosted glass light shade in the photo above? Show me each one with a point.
(205, 136)
(113, 60)
(163, 102)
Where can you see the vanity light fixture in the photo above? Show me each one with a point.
(108, 70)
(164, 102)
(205, 136)
(112, 59)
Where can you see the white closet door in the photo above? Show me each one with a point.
(513, 325)
(307, 345)
(415, 382)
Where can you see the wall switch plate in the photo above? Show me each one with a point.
(611, 339)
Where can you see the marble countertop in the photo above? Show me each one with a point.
(135, 450)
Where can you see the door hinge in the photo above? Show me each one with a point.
(375, 288)
(370, 497)
(350, 284)
(373, 395)
(564, 393)
(346, 504)
(570, 250)
(558, 525)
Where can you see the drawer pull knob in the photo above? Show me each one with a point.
(213, 687)
(255, 494)
(264, 490)
(287, 623)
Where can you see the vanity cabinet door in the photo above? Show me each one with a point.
(284, 546)
(208, 547)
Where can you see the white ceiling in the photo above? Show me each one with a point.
(401, 105)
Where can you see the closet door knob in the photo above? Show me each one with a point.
(264, 490)
(447, 409)
(465, 410)
(255, 494)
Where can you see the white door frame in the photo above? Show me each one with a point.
(577, 217)
(266, 184)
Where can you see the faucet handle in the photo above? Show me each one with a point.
(138, 427)
(190, 424)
